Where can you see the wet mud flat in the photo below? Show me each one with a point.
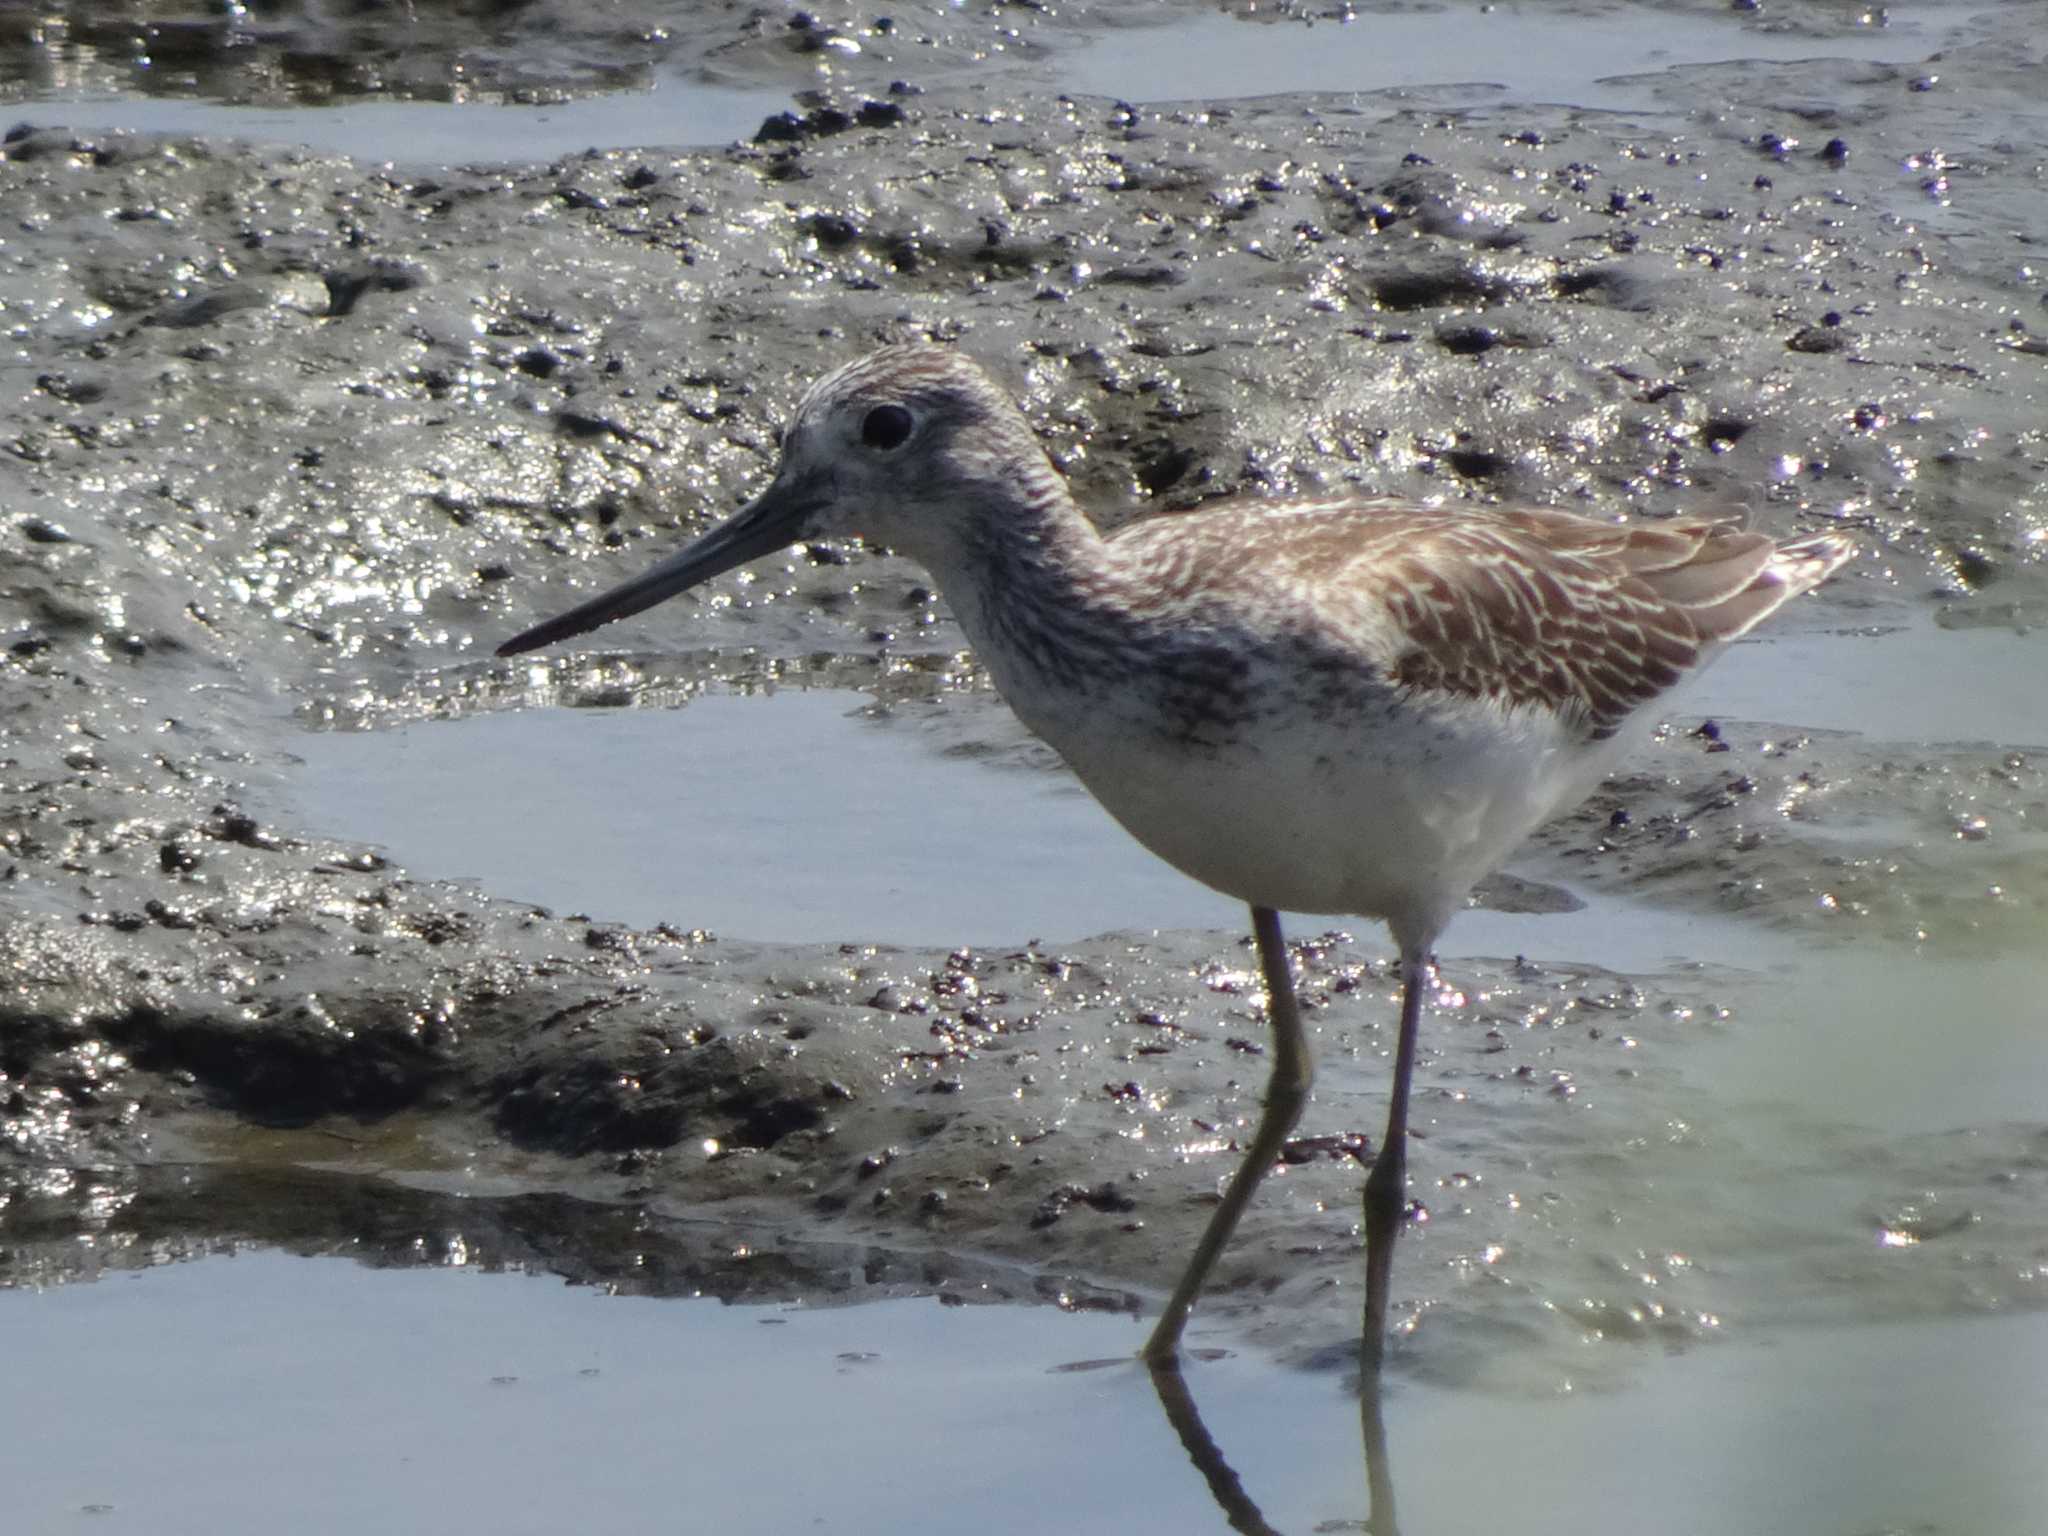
(291, 442)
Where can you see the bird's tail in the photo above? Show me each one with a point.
(1803, 564)
(1768, 576)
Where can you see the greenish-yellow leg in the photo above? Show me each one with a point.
(1286, 1094)
(1386, 1188)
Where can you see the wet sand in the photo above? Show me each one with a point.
(294, 440)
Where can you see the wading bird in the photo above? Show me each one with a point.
(1338, 704)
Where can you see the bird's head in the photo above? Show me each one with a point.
(911, 447)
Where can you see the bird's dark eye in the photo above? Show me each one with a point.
(886, 426)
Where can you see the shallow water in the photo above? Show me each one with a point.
(1524, 52)
(791, 818)
(806, 816)
(676, 111)
(320, 1395)
(1539, 53)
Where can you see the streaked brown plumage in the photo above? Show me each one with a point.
(1519, 605)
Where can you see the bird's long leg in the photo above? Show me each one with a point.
(1386, 1188)
(1286, 1093)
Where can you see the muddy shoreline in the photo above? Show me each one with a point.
(292, 442)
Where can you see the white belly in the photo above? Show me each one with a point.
(1394, 818)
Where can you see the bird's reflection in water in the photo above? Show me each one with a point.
(1238, 1506)
(1379, 1475)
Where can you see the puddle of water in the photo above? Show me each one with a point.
(795, 818)
(799, 819)
(1884, 1429)
(789, 818)
(1886, 1039)
(1916, 683)
(1531, 52)
(343, 1398)
(678, 112)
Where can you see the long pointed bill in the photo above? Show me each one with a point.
(773, 521)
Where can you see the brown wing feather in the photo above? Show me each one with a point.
(1492, 612)
(1523, 606)
(1527, 608)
